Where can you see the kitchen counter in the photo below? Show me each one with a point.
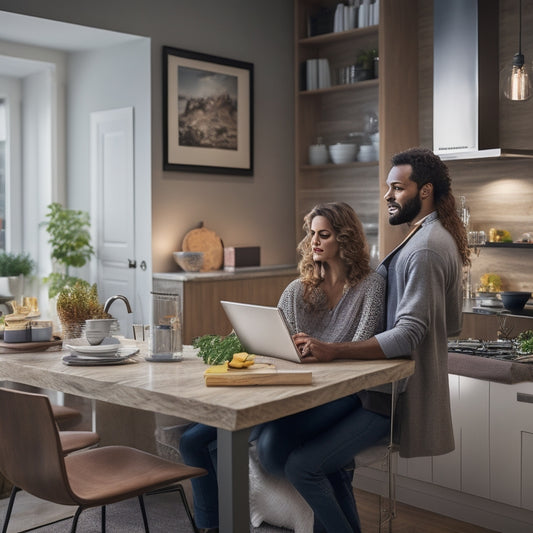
(200, 294)
(488, 369)
(238, 273)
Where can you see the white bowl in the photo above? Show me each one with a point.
(342, 152)
(189, 261)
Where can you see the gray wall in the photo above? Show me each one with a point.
(255, 210)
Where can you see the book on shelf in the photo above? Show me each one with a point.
(317, 74)
(343, 17)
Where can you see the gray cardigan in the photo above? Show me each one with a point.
(424, 308)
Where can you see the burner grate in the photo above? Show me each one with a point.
(502, 350)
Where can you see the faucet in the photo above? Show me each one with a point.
(111, 299)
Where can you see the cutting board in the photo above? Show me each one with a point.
(206, 241)
(258, 374)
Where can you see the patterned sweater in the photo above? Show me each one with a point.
(357, 316)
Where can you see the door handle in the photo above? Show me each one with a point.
(132, 263)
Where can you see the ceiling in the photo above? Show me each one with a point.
(52, 34)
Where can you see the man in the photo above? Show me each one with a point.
(424, 302)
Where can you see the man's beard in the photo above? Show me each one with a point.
(407, 213)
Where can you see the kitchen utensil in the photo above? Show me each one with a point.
(206, 241)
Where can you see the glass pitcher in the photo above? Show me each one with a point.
(165, 338)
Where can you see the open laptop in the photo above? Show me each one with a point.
(262, 330)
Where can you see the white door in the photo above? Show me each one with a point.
(112, 211)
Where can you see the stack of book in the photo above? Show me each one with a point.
(358, 14)
(317, 74)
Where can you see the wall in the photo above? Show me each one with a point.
(242, 210)
(104, 79)
(499, 192)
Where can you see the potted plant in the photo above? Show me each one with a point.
(364, 64)
(71, 244)
(13, 268)
(76, 303)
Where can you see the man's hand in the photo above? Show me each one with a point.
(313, 350)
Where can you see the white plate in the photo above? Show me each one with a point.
(87, 360)
(98, 349)
(120, 354)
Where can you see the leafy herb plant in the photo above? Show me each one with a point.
(15, 264)
(525, 341)
(215, 350)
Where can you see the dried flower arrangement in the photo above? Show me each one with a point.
(75, 304)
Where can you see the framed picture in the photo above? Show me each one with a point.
(207, 113)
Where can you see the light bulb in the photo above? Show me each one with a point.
(517, 84)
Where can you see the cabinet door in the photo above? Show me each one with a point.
(473, 416)
(511, 444)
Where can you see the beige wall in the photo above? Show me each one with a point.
(256, 210)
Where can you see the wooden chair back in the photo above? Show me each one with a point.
(31, 455)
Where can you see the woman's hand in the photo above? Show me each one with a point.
(313, 350)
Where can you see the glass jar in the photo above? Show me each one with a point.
(165, 338)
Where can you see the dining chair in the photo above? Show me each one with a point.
(65, 416)
(32, 458)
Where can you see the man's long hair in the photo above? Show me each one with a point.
(429, 168)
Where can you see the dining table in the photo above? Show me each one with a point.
(179, 389)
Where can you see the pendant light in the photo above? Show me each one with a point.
(517, 82)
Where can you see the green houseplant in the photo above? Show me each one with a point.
(71, 244)
(13, 269)
(12, 264)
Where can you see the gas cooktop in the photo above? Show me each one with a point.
(504, 350)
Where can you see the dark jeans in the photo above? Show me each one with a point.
(312, 449)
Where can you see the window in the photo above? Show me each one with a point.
(3, 139)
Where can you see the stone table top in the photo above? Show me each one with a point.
(178, 389)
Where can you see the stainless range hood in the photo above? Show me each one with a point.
(466, 81)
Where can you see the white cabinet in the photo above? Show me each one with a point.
(493, 456)
(466, 469)
(511, 444)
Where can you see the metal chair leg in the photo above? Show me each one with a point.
(143, 512)
(178, 487)
(75, 520)
(14, 491)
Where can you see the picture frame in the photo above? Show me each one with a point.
(207, 113)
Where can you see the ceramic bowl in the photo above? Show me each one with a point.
(515, 300)
(189, 261)
(342, 152)
(97, 329)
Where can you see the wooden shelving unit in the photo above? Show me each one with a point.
(336, 112)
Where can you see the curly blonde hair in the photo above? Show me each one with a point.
(353, 247)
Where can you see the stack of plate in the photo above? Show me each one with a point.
(101, 354)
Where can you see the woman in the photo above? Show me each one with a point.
(337, 298)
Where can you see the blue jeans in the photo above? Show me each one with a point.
(312, 449)
(198, 448)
